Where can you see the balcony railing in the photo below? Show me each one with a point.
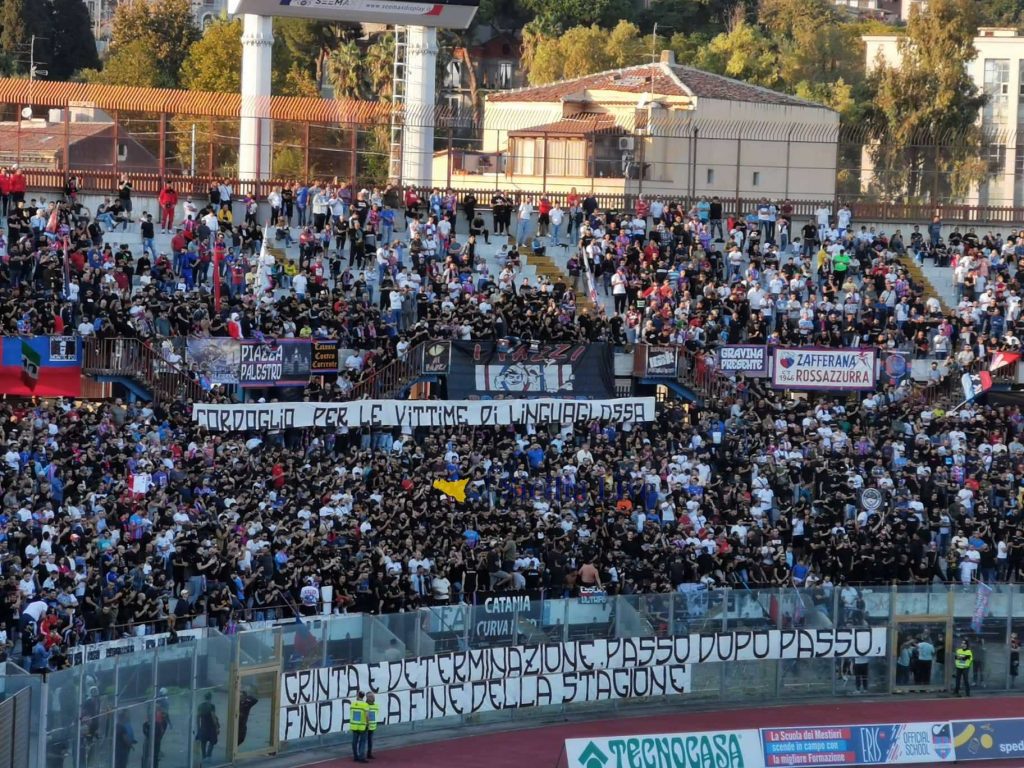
(137, 360)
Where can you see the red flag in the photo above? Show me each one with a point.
(1002, 359)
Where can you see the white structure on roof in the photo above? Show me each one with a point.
(998, 71)
(655, 128)
(421, 48)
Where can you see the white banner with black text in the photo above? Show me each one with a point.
(316, 701)
(419, 413)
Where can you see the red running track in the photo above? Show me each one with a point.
(542, 747)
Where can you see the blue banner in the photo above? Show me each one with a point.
(827, 745)
(988, 739)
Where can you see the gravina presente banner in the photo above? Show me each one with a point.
(316, 701)
(419, 413)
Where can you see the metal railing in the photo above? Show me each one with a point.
(137, 360)
(84, 703)
(389, 381)
(104, 181)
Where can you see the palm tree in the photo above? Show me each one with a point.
(343, 71)
(380, 67)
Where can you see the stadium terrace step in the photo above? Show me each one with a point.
(923, 278)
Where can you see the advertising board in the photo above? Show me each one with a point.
(824, 368)
(989, 739)
(890, 743)
(721, 749)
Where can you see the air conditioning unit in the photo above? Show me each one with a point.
(626, 143)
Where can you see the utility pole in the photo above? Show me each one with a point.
(33, 71)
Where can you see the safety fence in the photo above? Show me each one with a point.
(512, 657)
(863, 207)
(530, 146)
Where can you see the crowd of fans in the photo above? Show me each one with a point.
(127, 519)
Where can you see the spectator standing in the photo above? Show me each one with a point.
(124, 197)
(963, 660)
(372, 721)
(525, 214)
(358, 715)
(167, 201)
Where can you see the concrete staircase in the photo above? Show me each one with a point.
(938, 281)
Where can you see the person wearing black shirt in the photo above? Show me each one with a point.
(469, 206)
(499, 210)
(715, 216)
(287, 203)
(809, 233)
(476, 227)
(148, 231)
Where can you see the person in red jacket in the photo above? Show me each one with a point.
(168, 200)
(18, 187)
(543, 215)
(5, 191)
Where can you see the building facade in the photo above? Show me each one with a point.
(998, 72)
(655, 128)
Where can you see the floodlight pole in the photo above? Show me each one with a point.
(418, 128)
(254, 158)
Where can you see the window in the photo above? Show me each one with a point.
(1020, 76)
(505, 74)
(997, 88)
(756, 181)
(996, 156)
(1018, 162)
(453, 75)
(710, 176)
(524, 156)
(565, 157)
(122, 152)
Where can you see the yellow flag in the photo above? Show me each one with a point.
(456, 489)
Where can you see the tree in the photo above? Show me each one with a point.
(214, 62)
(565, 14)
(73, 44)
(342, 71)
(704, 17)
(133, 64)
(379, 65)
(687, 47)
(584, 51)
(923, 112)
(165, 28)
(744, 53)
(310, 42)
(14, 31)
(21, 20)
(625, 47)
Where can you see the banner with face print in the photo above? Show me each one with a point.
(491, 370)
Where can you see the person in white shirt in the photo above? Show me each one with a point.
(619, 290)
(523, 224)
(189, 210)
(555, 217)
(843, 219)
(212, 224)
